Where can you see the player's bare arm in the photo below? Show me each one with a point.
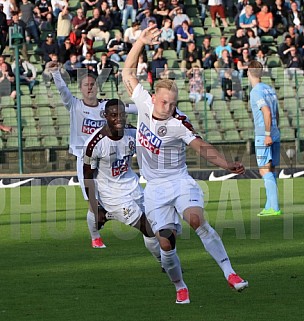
(267, 120)
(208, 152)
(148, 37)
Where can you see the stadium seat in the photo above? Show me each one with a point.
(245, 123)
(65, 140)
(198, 31)
(213, 136)
(247, 134)
(12, 142)
(213, 32)
(31, 142)
(287, 134)
(274, 62)
(170, 54)
(192, 11)
(227, 123)
(99, 45)
(8, 112)
(231, 135)
(1, 144)
(30, 131)
(8, 121)
(49, 141)
(47, 130)
(64, 130)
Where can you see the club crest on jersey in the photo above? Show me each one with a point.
(162, 131)
(132, 146)
(148, 139)
(90, 125)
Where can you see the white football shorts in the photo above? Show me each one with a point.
(127, 210)
(166, 201)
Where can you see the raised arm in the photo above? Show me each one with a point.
(148, 37)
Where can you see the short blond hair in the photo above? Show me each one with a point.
(255, 68)
(166, 84)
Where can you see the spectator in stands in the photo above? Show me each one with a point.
(44, 11)
(184, 34)
(99, 26)
(300, 43)
(3, 62)
(7, 82)
(81, 43)
(21, 25)
(216, 7)
(225, 62)
(284, 48)
(238, 42)
(296, 17)
(129, 10)
(9, 6)
(27, 16)
(28, 74)
(265, 22)
(117, 48)
(49, 47)
(115, 14)
(294, 62)
(280, 14)
(152, 47)
(257, 6)
(262, 58)
(57, 6)
(64, 24)
(248, 19)
(193, 51)
(90, 63)
(107, 70)
(3, 29)
(230, 86)
(167, 36)
(158, 66)
(240, 7)
(46, 75)
(132, 34)
(243, 62)
(197, 90)
(188, 65)
(71, 66)
(253, 41)
(142, 68)
(65, 51)
(292, 33)
(161, 12)
(174, 6)
(89, 5)
(145, 17)
(208, 54)
(79, 22)
(223, 46)
(179, 18)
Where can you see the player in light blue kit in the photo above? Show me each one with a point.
(264, 105)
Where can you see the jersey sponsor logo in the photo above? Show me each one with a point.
(148, 139)
(90, 125)
(13, 185)
(120, 166)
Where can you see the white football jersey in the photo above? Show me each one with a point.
(112, 159)
(84, 120)
(160, 144)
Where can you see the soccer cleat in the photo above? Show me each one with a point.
(182, 296)
(270, 212)
(98, 244)
(237, 282)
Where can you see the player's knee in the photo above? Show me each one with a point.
(167, 241)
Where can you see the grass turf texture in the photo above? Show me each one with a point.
(48, 271)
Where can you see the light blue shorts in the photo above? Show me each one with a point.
(265, 154)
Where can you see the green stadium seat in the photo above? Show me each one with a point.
(274, 62)
(12, 142)
(213, 32)
(245, 123)
(47, 130)
(170, 54)
(231, 135)
(64, 130)
(99, 45)
(198, 31)
(10, 121)
(8, 112)
(30, 131)
(287, 133)
(192, 11)
(65, 140)
(247, 134)
(49, 141)
(31, 142)
(227, 123)
(196, 22)
(284, 121)
(213, 136)
(63, 120)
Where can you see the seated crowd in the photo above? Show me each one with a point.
(71, 34)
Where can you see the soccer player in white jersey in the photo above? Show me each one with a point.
(86, 115)
(264, 105)
(107, 168)
(162, 135)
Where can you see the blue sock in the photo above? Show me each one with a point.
(271, 191)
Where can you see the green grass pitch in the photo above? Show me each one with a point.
(48, 271)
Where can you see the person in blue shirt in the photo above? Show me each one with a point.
(264, 105)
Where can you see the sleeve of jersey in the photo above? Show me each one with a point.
(66, 96)
(140, 97)
(259, 100)
(89, 152)
(131, 109)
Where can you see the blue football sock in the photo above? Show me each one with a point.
(271, 191)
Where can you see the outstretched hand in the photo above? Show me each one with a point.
(237, 168)
(150, 35)
(52, 66)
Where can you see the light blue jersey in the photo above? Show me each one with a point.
(264, 95)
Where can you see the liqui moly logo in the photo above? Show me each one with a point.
(120, 166)
(148, 139)
(90, 125)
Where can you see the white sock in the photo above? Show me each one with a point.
(170, 262)
(92, 226)
(152, 245)
(214, 246)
